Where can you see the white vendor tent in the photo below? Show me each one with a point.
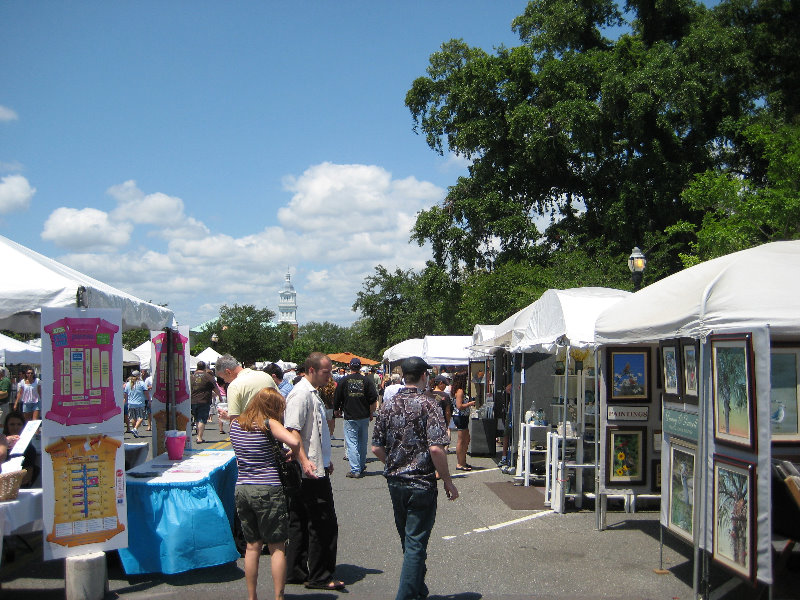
(411, 347)
(565, 318)
(209, 356)
(143, 351)
(39, 282)
(508, 333)
(15, 352)
(446, 349)
(750, 288)
(481, 334)
(129, 358)
(752, 291)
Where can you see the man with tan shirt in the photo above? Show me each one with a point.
(243, 384)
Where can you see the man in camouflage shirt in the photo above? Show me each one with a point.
(410, 438)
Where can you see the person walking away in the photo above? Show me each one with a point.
(260, 499)
(242, 383)
(461, 419)
(148, 384)
(134, 393)
(313, 527)
(410, 438)
(29, 392)
(203, 390)
(356, 399)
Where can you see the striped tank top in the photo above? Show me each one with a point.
(254, 457)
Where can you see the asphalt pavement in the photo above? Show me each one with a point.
(480, 549)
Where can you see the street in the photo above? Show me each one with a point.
(480, 549)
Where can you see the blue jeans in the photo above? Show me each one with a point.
(356, 434)
(414, 516)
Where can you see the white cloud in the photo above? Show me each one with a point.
(136, 206)
(10, 167)
(15, 193)
(340, 222)
(6, 114)
(85, 229)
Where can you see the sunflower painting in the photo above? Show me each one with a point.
(626, 455)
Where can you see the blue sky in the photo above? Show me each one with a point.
(189, 152)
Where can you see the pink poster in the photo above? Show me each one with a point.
(178, 365)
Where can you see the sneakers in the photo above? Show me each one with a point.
(352, 475)
(135, 432)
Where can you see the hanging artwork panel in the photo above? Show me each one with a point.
(670, 351)
(735, 516)
(733, 389)
(784, 416)
(627, 456)
(690, 358)
(681, 494)
(629, 374)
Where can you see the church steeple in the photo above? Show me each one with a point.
(287, 305)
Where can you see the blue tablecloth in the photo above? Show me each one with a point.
(177, 526)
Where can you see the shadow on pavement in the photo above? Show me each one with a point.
(351, 574)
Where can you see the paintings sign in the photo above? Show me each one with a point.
(626, 458)
(690, 355)
(784, 416)
(681, 496)
(629, 375)
(734, 515)
(671, 369)
(733, 390)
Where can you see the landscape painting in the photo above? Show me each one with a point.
(783, 410)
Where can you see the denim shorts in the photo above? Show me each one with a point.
(262, 511)
(200, 412)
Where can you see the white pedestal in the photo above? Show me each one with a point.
(86, 577)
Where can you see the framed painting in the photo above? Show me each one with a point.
(733, 385)
(681, 495)
(690, 356)
(784, 417)
(735, 516)
(626, 458)
(655, 476)
(628, 375)
(670, 351)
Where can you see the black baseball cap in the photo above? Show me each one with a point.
(441, 379)
(355, 363)
(414, 365)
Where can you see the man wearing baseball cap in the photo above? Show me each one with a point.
(356, 398)
(410, 438)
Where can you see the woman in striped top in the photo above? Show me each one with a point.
(260, 500)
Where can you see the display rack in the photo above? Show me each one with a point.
(573, 450)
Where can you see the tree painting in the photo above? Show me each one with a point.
(731, 390)
(732, 503)
(669, 354)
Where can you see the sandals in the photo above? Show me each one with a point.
(464, 468)
(331, 586)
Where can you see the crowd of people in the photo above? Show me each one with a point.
(411, 411)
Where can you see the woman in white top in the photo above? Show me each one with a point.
(29, 391)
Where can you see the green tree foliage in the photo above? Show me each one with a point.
(134, 338)
(248, 334)
(606, 134)
(740, 212)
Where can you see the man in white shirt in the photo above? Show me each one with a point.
(393, 388)
(313, 528)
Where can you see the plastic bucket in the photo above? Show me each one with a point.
(175, 442)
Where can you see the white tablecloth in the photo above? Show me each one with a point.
(21, 515)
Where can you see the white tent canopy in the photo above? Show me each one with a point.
(565, 317)
(39, 282)
(411, 347)
(446, 349)
(143, 351)
(745, 289)
(129, 358)
(480, 335)
(15, 352)
(508, 333)
(209, 356)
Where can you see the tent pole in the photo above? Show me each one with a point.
(171, 414)
(596, 442)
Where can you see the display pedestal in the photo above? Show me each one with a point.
(482, 437)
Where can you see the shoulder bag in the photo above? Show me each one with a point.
(288, 471)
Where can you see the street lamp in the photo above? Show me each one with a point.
(636, 263)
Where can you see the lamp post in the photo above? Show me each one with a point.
(636, 263)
